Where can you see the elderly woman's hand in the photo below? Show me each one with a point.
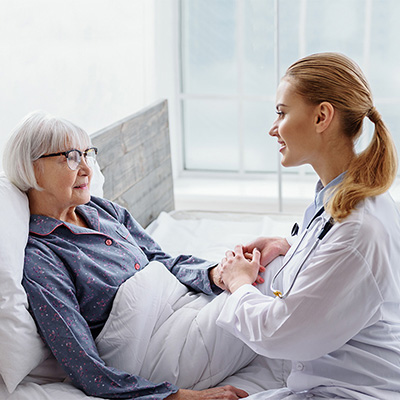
(238, 269)
(215, 275)
(270, 248)
(227, 392)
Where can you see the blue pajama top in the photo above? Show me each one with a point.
(71, 276)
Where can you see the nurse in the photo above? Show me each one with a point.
(333, 310)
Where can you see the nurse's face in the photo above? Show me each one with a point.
(294, 127)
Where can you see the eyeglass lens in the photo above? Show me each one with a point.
(74, 158)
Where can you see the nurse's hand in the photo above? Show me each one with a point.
(270, 248)
(238, 269)
(215, 273)
(227, 392)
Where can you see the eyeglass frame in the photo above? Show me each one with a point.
(66, 153)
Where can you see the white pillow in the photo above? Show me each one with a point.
(21, 348)
(96, 185)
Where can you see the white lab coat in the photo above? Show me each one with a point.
(340, 324)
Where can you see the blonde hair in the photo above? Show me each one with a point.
(37, 134)
(336, 79)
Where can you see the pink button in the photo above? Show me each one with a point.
(109, 242)
(137, 266)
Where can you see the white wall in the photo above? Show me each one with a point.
(166, 34)
(90, 61)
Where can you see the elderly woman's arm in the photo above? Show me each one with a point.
(191, 271)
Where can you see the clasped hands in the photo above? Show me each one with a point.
(242, 265)
(245, 264)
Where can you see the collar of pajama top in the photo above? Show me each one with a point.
(42, 225)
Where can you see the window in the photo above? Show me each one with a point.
(228, 85)
(233, 53)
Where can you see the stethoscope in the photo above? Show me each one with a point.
(325, 229)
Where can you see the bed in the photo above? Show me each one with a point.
(135, 171)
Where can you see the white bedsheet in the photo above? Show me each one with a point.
(209, 235)
(206, 235)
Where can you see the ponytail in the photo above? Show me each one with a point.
(370, 173)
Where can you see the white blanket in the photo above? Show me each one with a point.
(160, 330)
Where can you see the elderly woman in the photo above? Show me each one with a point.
(80, 250)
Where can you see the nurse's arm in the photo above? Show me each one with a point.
(338, 286)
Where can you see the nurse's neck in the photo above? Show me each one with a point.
(334, 159)
(326, 179)
(333, 166)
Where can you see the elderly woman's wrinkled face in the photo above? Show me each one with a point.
(62, 187)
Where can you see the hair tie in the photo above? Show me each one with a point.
(373, 115)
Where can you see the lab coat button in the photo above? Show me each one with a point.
(108, 242)
(137, 266)
(299, 366)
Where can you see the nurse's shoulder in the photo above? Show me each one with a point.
(374, 222)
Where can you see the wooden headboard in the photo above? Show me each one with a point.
(135, 159)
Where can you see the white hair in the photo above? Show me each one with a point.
(37, 134)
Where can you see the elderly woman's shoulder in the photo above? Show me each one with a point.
(107, 206)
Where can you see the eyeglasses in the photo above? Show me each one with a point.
(74, 157)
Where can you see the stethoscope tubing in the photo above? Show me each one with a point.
(326, 228)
